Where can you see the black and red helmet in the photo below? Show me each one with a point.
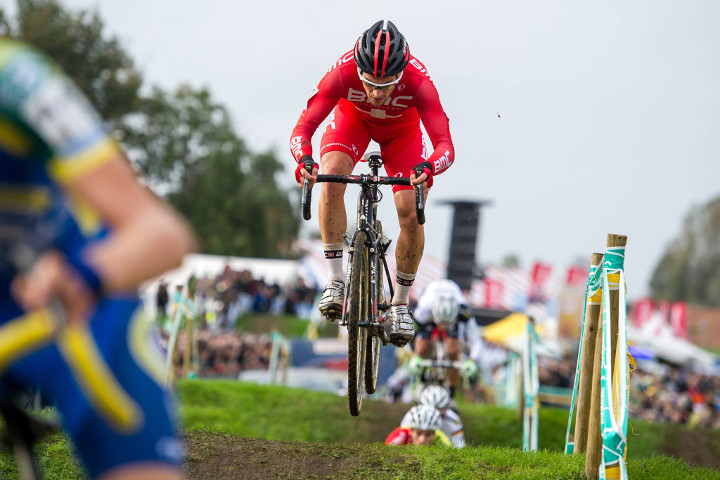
(382, 50)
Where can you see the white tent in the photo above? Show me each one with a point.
(656, 335)
(282, 272)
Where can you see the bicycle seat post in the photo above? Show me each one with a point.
(374, 161)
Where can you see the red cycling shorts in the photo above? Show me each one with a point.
(401, 141)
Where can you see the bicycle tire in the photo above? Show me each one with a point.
(372, 349)
(357, 310)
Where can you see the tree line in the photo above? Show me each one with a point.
(181, 141)
(184, 144)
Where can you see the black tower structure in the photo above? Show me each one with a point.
(463, 241)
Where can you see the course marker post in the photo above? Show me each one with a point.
(530, 389)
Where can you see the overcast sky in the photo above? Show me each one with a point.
(610, 110)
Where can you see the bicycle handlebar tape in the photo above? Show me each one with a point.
(306, 200)
(420, 204)
(309, 164)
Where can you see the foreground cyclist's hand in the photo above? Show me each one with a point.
(307, 168)
(51, 277)
(425, 177)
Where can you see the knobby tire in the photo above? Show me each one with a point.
(357, 311)
(372, 349)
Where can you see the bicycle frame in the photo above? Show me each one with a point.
(368, 199)
(362, 288)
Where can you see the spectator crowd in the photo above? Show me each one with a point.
(222, 350)
(658, 392)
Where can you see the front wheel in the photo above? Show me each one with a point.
(372, 354)
(358, 310)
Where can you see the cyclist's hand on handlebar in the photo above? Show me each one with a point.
(52, 277)
(424, 169)
(307, 168)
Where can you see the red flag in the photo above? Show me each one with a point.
(577, 277)
(540, 275)
(642, 311)
(678, 319)
(493, 294)
(664, 309)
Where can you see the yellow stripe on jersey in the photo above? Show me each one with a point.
(13, 140)
(96, 380)
(24, 334)
(67, 169)
(139, 338)
(441, 438)
(8, 48)
(86, 217)
(24, 198)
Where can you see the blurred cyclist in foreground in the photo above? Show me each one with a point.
(421, 428)
(78, 234)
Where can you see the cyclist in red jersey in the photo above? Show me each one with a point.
(377, 91)
(423, 427)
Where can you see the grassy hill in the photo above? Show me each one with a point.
(236, 430)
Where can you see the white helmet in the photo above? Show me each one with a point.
(445, 310)
(435, 396)
(424, 417)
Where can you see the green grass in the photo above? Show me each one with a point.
(288, 325)
(279, 413)
(317, 426)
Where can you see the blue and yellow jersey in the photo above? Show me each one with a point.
(49, 136)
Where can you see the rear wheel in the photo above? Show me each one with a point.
(372, 352)
(357, 311)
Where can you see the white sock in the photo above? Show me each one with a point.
(334, 260)
(403, 283)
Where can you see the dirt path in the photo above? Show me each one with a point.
(220, 456)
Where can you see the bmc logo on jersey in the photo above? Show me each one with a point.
(358, 96)
(296, 145)
(419, 66)
(443, 162)
(344, 59)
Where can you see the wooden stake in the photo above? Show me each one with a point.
(592, 318)
(614, 240)
(594, 436)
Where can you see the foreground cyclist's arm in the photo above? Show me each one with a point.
(146, 237)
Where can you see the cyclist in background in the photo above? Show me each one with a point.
(450, 423)
(78, 234)
(377, 91)
(422, 428)
(441, 313)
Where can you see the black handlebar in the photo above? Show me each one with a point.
(419, 200)
(363, 179)
(306, 200)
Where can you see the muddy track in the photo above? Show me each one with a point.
(221, 456)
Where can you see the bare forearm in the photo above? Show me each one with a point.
(153, 242)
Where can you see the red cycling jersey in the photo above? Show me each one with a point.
(414, 99)
(399, 436)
